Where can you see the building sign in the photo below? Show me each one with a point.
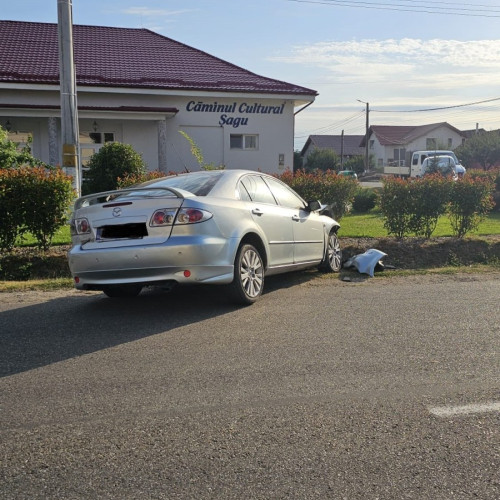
(226, 111)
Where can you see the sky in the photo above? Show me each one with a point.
(415, 62)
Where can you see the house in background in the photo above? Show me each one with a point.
(390, 144)
(345, 146)
(138, 87)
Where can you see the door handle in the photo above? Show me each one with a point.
(257, 211)
(296, 218)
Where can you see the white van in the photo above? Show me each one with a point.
(418, 158)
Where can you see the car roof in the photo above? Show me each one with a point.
(438, 157)
(222, 189)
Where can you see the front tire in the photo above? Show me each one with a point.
(332, 262)
(122, 291)
(248, 282)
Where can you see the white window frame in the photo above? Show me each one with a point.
(246, 140)
(92, 147)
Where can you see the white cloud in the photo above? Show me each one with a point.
(396, 75)
(345, 57)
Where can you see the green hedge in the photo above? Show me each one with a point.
(34, 200)
(335, 190)
(413, 206)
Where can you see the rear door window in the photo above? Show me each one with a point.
(257, 189)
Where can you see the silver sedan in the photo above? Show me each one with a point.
(221, 227)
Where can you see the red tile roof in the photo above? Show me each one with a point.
(124, 57)
(397, 135)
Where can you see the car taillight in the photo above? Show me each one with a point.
(191, 216)
(163, 217)
(79, 226)
(168, 217)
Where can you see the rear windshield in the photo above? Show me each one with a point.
(198, 183)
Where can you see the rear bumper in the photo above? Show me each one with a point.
(205, 260)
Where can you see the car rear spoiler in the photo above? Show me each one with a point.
(107, 196)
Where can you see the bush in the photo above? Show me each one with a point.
(11, 215)
(114, 160)
(429, 197)
(470, 200)
(133, 179)
(328, 187)
(10, 157)
(364, 200)
(396, 207)
(356, 163)
(34, 200)
(322, 159)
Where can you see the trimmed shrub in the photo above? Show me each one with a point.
(34, 200)
(365, 200)
(395, 203)
(328, 187)
(114, 160)
(470, 200)
(11, 207)
(429, 197)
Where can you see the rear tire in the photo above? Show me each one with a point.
(122, 291)
(332, 262)
(248, 282)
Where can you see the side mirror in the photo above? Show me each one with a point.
(313, 206)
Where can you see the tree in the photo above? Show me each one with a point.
(355, 163)
(322, 159)
(482, 149)
(114, 160)
(10, 157)
(298, 161)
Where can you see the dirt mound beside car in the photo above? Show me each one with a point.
(417, 253)
(411, 253)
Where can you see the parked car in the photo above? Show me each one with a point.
(446, 165)
(226, 227)
(348, 173)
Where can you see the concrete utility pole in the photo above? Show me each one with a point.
(67, 79)
(342, 151)
(367, 157)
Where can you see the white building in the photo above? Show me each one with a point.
(390, 145)
(141, 88)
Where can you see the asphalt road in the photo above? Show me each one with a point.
(384, 388)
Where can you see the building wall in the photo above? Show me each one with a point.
(441, 135)
(209, 121)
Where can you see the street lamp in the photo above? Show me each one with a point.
(367, 160)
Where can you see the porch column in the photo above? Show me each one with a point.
(162, 146)
(53, 146)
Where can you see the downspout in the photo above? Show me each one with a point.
(302, 108)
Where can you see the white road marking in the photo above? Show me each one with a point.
(451, 411)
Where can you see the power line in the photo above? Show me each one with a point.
(481, 115)
(424, 9)
(434, 109)
(334, 125)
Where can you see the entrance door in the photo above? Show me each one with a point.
(91, 143)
